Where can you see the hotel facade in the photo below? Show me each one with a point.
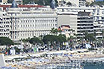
(31, 22)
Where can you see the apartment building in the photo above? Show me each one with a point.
(88, 19)
(67, 18)
(84, 23)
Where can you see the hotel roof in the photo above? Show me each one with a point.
(20, 6)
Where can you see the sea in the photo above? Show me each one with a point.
(86, 67)
(94, 66)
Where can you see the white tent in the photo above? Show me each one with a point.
(88, 46)
(12, 51)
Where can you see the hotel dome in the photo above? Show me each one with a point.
(14, 4)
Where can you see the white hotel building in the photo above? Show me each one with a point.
(5, 24)
(31, 22)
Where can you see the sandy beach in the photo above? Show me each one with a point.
(66, 56)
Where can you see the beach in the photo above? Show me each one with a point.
(52, 57)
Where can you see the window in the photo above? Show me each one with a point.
(98, 11)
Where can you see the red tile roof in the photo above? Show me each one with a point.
(21, 6)
(28, 6)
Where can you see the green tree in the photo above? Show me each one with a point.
(68, 3)
(89, 37)
(87, 3)
(10, 1)
(51, 38)
(17, 50)
(40, 2)
(100, 3)
(54, 40)
(71, 30)
(25, 40)
(72, 41)
(35, 40)
(6, 41)
(60, 31)
(61, 38)
(54, 31)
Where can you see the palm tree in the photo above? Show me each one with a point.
(69, 4)
(103, 37)
(54, 31)
(59, 30)
(72, 41)
(71, 30)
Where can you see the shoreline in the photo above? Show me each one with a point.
(34, 64)
(71, 55)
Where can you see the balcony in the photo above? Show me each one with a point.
(98, 32)
(99, 36)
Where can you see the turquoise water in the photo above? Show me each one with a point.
(94, 67)
(84, 65)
